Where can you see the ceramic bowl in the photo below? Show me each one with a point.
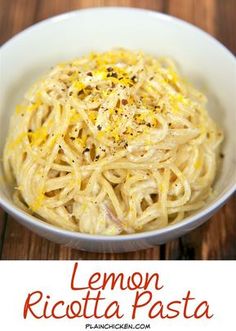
(201, 58)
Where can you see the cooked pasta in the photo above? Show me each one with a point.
(112, 143)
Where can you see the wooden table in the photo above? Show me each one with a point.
(214, 240)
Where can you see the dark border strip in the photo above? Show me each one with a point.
(163, 252)
(5, 219)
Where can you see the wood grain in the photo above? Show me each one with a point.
(213, 240)
(3, 220)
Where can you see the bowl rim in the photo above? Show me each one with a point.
(28, 219)
(160, 15)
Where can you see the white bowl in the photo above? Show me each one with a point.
(201, 58)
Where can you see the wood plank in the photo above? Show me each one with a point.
(50, 8)
(197, 12)
(22, 244)
(226, 29)
(15, 16)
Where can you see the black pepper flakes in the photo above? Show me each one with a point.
(124, 102)
(114, 75)
(99, 127)
(86, 150)
(222, 155)
(109, 69)
(89, 73)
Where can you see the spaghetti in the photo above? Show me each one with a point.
(112, 143)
